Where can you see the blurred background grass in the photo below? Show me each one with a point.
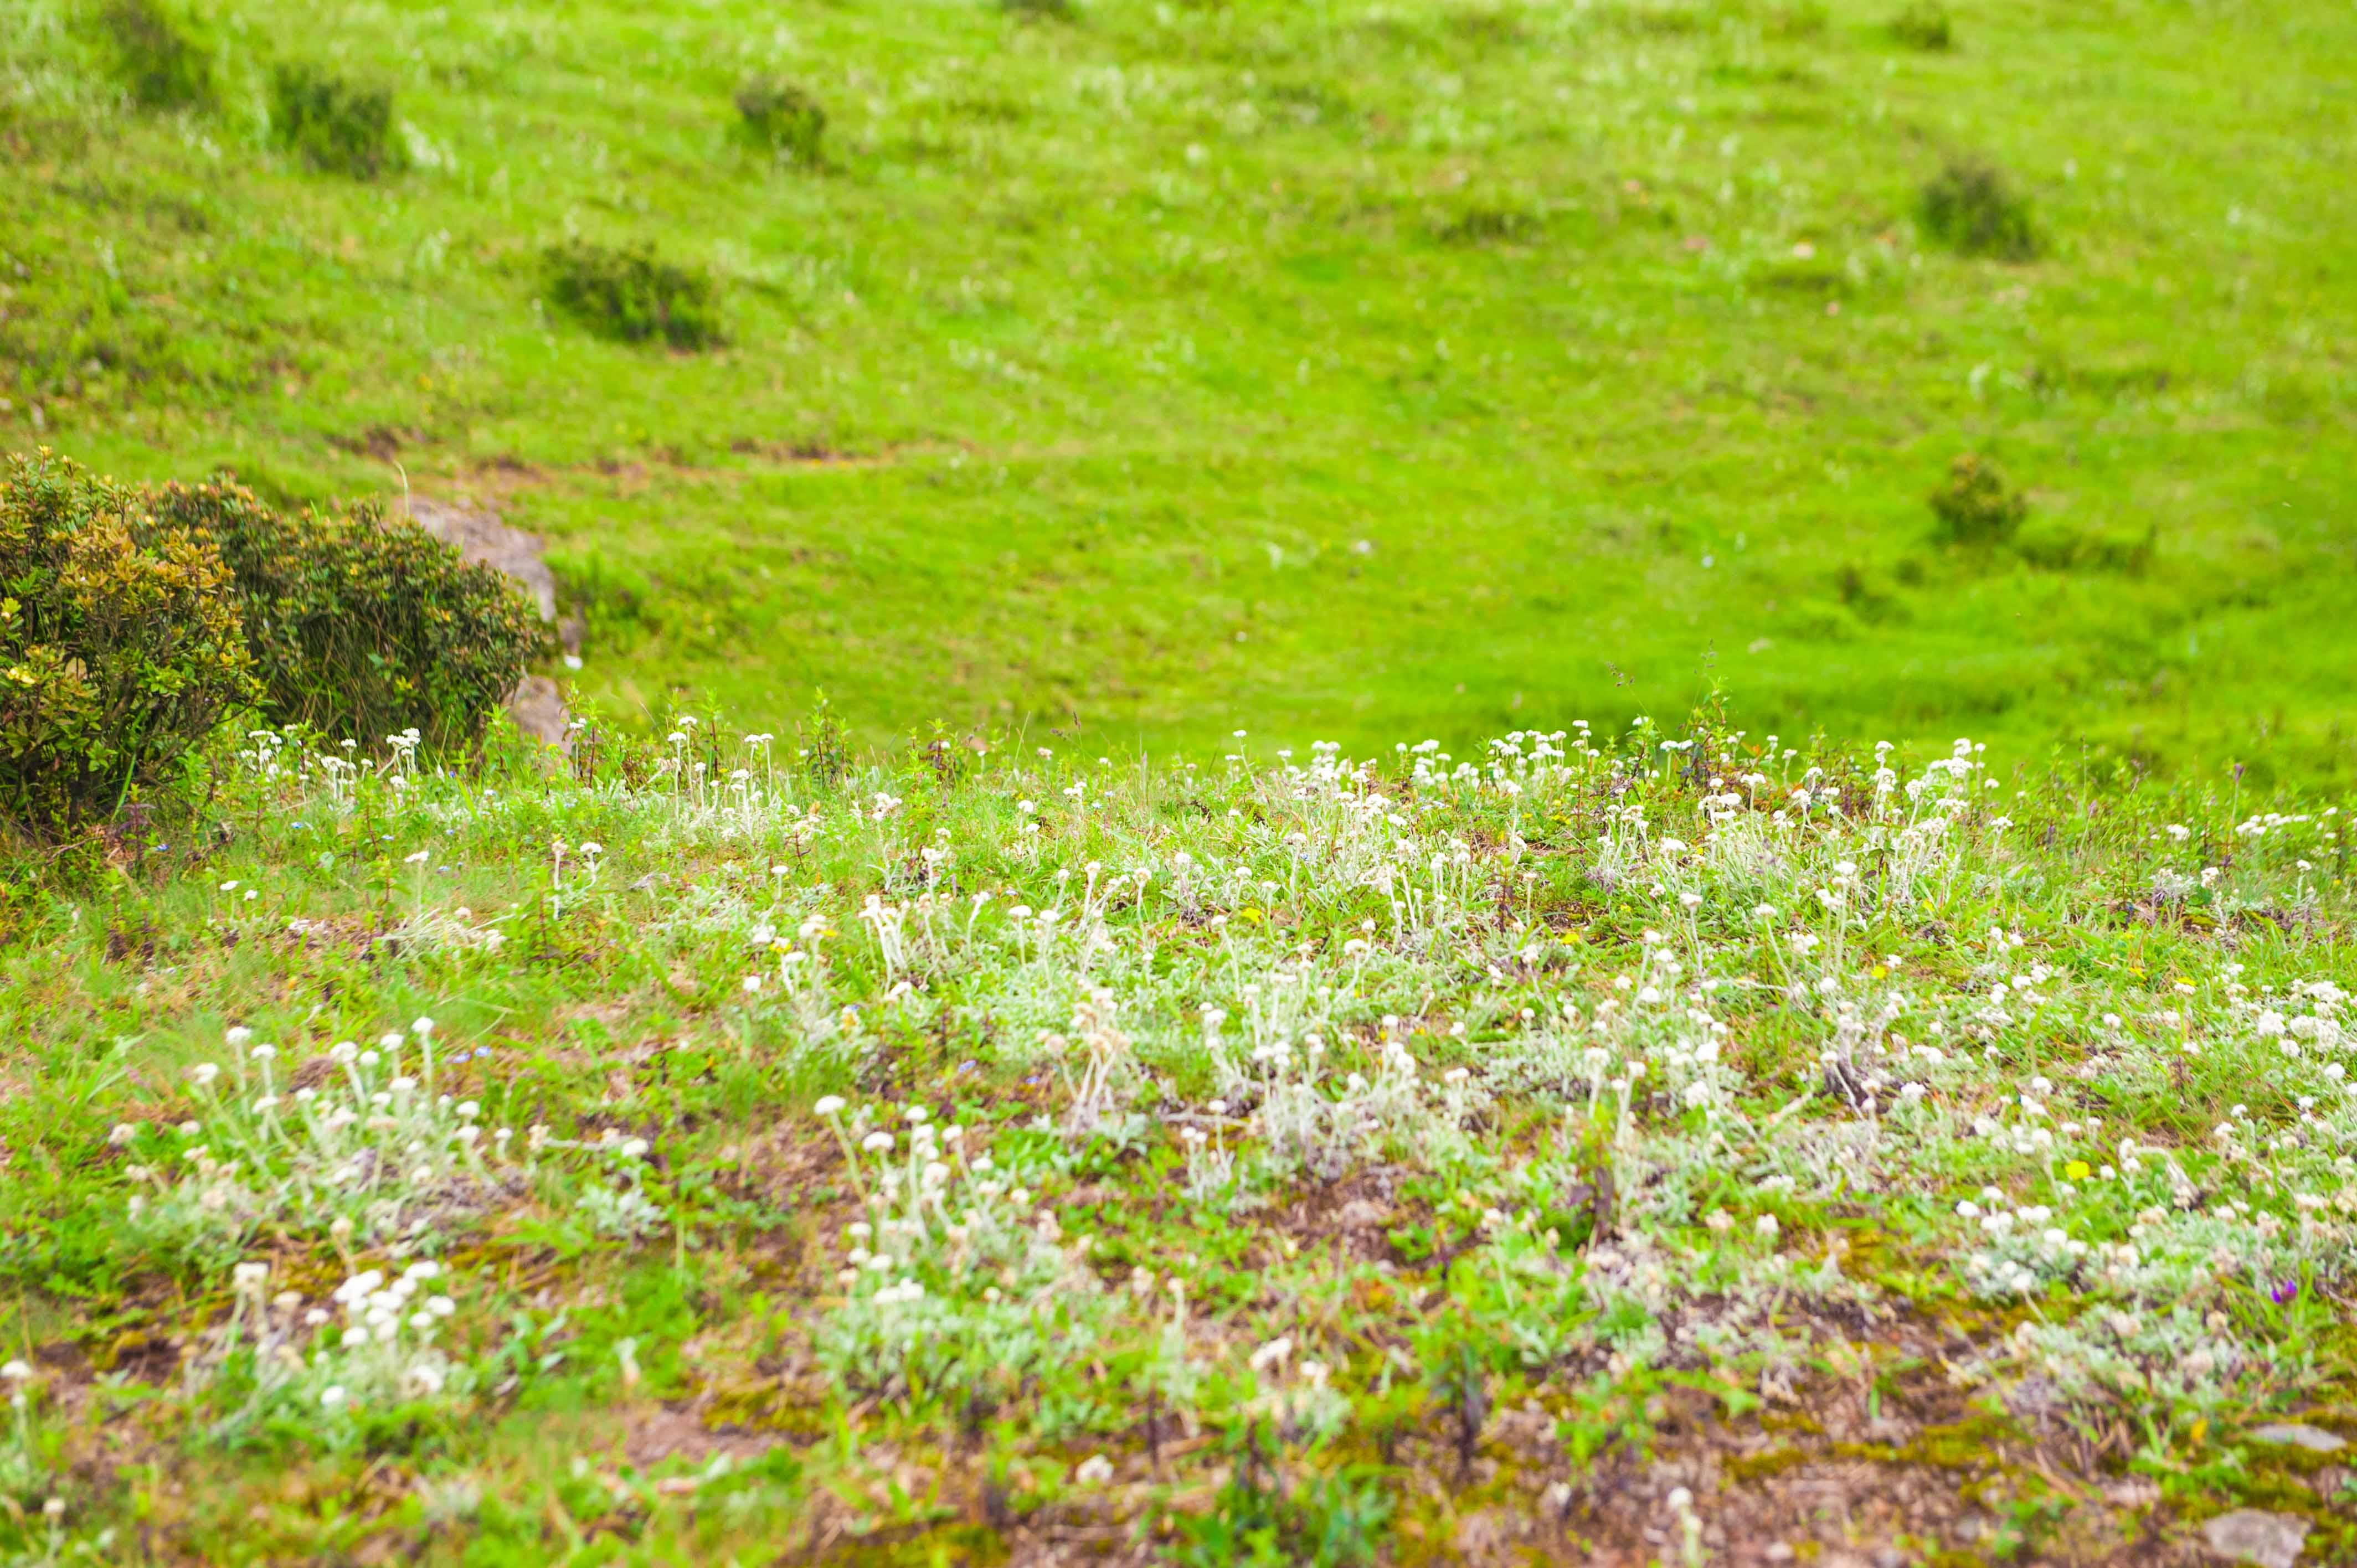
(1361, 371)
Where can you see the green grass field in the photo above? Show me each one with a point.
(1361, 372)
(1592, 1136)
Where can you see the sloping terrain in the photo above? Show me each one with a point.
(1358, 370)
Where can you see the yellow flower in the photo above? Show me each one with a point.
(2077, 1170)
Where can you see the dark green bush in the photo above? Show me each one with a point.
(1924, 24)
(362, 624)
(163, 60)
(2051, 543)
(335, 126)
(1977, 507)
(780, 118)
(1972, 207)
(120, 646)
(630, 295)
(1488, 225)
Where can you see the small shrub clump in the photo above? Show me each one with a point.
(120, 646)
(1971, 207)
(1488, 225)
(1924, 24)
(629, 295)
(163, 61)
(361, 625)
(780, 118)
(1977, 507)
(2060, 547)
(335, 126)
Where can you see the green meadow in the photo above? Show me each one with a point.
(1138, 372)
(1448, 1040)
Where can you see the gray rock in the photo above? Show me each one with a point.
(537, 705)
(482, 536)
(538, 709)
(2300, 1434)
(2254, 1535)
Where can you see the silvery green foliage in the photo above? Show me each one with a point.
(1351, 967)
(371, 1148)
(953, 1282)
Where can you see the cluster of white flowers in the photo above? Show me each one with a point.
(1360, 961)
(375, 1340)
(388, 1337)
(371, 1143)
(953, 1267)
(2024, 1249)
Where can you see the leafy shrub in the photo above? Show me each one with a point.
(163, 61)
(2060, 547)
(781, 119)
(1923, 24)
(120, 646)
(1977, 507)
(362, 624)
(1971, 207)
(338, 126)
(826, 753)
(629, 295)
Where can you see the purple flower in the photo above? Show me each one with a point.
(2284, 1291)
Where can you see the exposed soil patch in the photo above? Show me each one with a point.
(806, 455)
(1354, 1214)
(677, 1433)
(381, 442)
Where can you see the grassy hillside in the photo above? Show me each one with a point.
(1351, 371)
(1617, 1152)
